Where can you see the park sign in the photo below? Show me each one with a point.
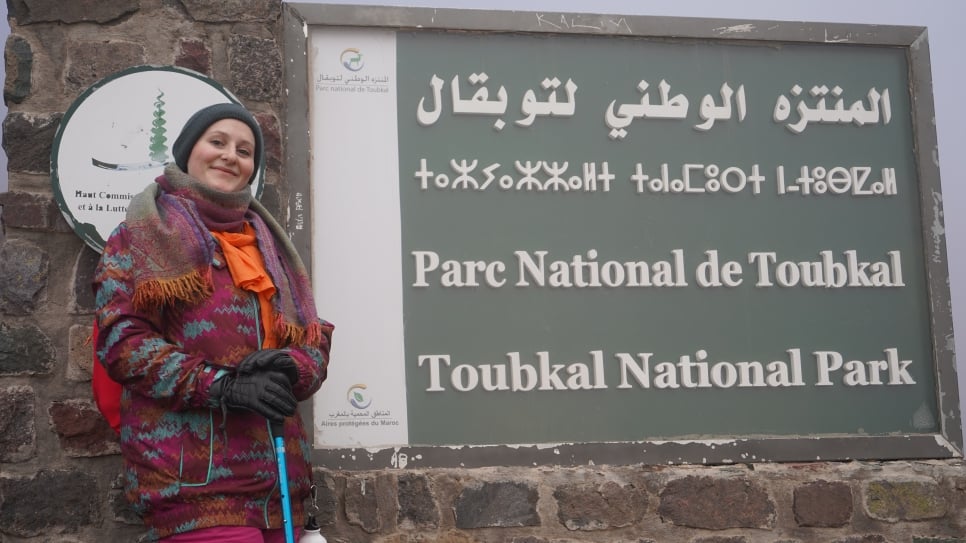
(116, 138)
(562, 239)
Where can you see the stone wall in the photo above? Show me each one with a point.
(60, 463)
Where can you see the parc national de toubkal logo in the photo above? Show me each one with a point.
(158, 148)
(351, 58)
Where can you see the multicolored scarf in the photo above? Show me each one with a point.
(172, 248)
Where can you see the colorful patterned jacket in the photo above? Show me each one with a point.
(186, 465)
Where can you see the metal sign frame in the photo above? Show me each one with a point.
(947, 443)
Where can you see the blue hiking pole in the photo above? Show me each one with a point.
(278, 438)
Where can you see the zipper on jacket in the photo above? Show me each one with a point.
(271, 493)
(258, 321)
(278, 476)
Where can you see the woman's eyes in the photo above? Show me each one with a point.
(218, 142)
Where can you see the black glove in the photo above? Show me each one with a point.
(270, 359)
(267, 393)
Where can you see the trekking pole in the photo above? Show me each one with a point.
(279, 439)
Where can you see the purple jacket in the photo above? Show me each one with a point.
(186, 465)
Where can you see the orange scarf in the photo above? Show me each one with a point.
(247, 269)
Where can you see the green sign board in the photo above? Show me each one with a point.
(635, 275)
(540, 237)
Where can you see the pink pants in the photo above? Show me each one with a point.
(229, 534)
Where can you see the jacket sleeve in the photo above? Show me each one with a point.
(313, 364)
(131, 343)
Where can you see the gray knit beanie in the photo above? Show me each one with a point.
(199, 123)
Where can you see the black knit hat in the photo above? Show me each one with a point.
(199, 123)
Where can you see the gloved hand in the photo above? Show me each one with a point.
(267, 393)
(270, 359)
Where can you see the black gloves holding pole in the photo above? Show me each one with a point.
(262, 383)
(270, 360)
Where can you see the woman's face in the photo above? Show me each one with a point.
(223, 158)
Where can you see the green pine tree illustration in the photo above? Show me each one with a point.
(159, 151)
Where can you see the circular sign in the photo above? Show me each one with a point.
(116, 138)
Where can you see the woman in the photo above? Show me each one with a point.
(205, 315)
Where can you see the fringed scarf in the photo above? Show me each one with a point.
(172, 248)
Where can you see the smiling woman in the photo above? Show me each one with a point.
(206, 318)
(223, 157)
(220, 145)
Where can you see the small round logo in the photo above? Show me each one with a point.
(115, 138)
(358, 396)
(351, 58)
